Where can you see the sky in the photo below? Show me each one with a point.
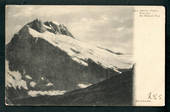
(108, 26)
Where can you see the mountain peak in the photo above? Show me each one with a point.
(50, 26)
(37, 25)
(52, 22)
(57, 28)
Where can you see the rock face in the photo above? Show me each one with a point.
(52, 27)
(37, 25)
(57, 28)
(47, 58)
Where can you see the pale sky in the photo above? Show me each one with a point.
(109, 26)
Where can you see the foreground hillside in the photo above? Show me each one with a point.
(117, 90)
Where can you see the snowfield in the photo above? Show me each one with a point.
(81, 51)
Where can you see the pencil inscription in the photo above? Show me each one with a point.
(154, 96)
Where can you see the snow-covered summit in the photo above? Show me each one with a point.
(59, 36)
(81, 51)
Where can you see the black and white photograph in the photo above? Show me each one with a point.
(69, 55)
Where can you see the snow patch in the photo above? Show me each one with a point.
(84, 85)
(28, 77)
(50, 93)
(42, 78)
(117, 70)
(49, 84)
(80, 61)
(33, 84)
(47, 27)
(14, 78)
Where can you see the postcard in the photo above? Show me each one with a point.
(84, 55)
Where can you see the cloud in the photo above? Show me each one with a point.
(110, 26)
(27, 12)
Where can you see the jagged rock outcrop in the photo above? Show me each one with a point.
(57, 28)
(53, 27)
(37, 25)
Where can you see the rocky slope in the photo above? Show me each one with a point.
(115, 91)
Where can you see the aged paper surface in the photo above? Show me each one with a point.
(149, 56)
